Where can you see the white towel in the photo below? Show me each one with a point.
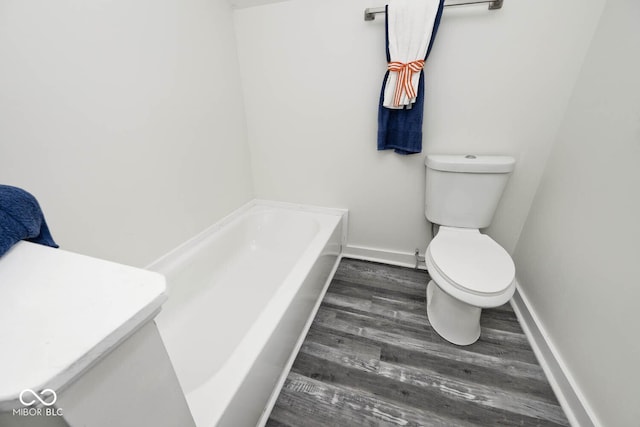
(410, 24)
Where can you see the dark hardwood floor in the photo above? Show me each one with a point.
(372, 359)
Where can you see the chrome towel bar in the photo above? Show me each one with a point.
(371, 12)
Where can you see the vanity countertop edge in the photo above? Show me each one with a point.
(61, 312)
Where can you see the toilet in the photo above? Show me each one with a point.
(469, 271)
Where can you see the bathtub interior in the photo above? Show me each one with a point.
(222, 284)
(243, 264)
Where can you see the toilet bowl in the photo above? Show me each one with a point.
(469, 271)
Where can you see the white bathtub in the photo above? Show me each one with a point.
(241, 296)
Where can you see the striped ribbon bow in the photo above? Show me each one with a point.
(405, 74)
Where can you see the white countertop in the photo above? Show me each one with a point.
(61, 311)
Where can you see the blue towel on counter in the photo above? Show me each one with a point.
(21, 219)
(401, 129)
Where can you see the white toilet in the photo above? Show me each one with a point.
(469, 270)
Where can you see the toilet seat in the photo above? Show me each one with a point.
(471, 266)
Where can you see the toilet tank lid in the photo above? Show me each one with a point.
(470, 163)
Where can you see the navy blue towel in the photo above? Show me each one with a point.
(401, 129)
(21, 219)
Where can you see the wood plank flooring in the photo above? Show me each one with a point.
(372, 359)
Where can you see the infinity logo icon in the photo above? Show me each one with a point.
(38, 397)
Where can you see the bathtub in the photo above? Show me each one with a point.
(242, 295)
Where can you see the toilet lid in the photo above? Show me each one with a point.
(472, 261)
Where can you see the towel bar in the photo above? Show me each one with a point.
(371, 12)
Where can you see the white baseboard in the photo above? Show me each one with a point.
(569, 395)
(403, 259)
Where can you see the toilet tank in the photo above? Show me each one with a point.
(464, 191)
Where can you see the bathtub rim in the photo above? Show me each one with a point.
(175, 256)
(305, 330)
(250, 348)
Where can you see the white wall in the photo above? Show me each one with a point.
(497, 83)
(124, 119)
(578, 254)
